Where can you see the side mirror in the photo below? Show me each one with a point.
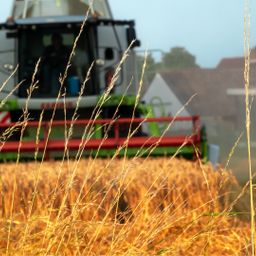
(131, 36)
(109, 54)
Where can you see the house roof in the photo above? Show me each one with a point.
(236, 62)
(210, 87)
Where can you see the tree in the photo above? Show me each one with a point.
(150, 68)
(179, 58)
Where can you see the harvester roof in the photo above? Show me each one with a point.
(40, 8)
(58, 20)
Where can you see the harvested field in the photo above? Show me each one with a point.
(145, 207)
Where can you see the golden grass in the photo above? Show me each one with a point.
(124, 207)
(149, 206)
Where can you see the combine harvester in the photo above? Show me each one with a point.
(103, 125)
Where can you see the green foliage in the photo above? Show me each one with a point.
(178, 58)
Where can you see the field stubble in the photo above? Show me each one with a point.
(120, 207)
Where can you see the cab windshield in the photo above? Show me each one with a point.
(42, 8)
(54, 46)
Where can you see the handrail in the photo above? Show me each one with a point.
(194, 119)
(112, 142)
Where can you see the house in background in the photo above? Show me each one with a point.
(237, 62)
(195, 92)
(204, 92)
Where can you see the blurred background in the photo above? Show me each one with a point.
(197, 47)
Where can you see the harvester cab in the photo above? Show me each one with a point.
(48, 30)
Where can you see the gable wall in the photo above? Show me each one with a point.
(163, 100)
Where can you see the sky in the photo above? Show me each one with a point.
(208, 29)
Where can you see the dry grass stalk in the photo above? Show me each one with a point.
(248, 118)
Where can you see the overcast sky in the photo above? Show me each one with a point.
(209, 29)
